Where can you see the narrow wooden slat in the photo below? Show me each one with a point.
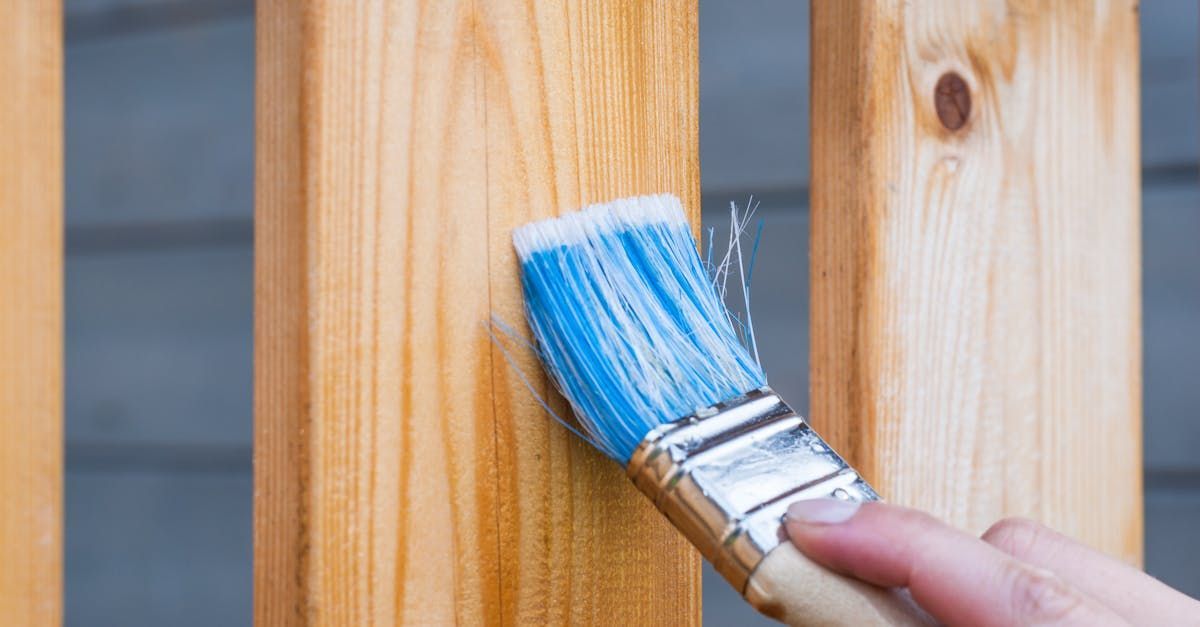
(586, 102)
(975, 292)
(402, 474)
(31, 312)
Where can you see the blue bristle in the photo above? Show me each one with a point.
(627, 321)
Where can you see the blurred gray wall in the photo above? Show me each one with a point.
(159, 135)
(159, 280)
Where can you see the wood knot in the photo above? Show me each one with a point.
(952, 99)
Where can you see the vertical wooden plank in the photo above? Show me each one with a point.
(31, 313)
(401, 473)
(586, 102)
(975, 290)
(375, 466)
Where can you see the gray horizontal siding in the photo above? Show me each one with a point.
(158, 548)
(160, 347)
(1172, 552)
(754, 95)
(1171, 329)
(160, 126)
(1170, 91)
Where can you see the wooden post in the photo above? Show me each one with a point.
(402, 474)
(585, 102)
(975, 258)
(31, 313)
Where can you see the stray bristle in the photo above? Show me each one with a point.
(627, 321)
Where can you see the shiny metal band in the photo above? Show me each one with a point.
(726, 475)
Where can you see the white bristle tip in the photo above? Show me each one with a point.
(576, 227)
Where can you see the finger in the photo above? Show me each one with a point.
(1129, 592)
(957, 578)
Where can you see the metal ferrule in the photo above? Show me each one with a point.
(725, 476)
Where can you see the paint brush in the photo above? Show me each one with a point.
(664, 380)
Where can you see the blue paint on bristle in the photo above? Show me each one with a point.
(627, 321)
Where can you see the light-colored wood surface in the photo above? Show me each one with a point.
(375, 464)
(403, 475)
(31, 186)
(585, 102)
(975, 293)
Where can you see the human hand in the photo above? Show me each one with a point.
(1018, 573)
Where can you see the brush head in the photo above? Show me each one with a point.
(627, 321)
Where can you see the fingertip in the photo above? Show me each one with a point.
(822, 511)
(812, 525)
(1022, 538)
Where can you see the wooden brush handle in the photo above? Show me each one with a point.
(791, 588)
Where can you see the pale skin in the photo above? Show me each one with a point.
(1017, 573)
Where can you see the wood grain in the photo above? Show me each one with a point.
(402, 475)
(976, 293)
(586, 102)
(31, 250)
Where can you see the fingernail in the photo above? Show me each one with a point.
(824, 511)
